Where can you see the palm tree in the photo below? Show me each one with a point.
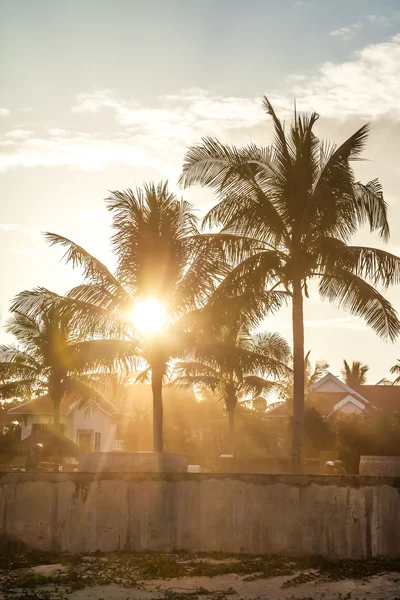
(312, 374)
(395, 370)
(295, 206)
(159, 263)
(51, 358)
(231, 362)
(355, 374)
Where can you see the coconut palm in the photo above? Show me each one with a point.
(299, 203)
(395, 370)
(234, 364)
(158, 265)
(312, 374)
(51, 358)
(355, 374)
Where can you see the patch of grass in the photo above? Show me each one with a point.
(133, 570)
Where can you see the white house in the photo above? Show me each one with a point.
(94, 430)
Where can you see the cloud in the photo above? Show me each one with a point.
(19, 134)
(338, 323)
(367, 86)
(302, 3)
(346, 33)
(76, 151)
(58, 132)
(4, 112)
(383, 20)
(157, 136)
(378, 19)
(177, 114)
(141, 133)
(23, 229)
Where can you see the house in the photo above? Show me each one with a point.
(331, 397)
(93, 430)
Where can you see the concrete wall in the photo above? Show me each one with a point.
(380, 466)
(337, 517)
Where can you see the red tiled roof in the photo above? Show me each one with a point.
(324, 402)
(385, 397)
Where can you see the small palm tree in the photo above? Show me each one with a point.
(395, 370)
(159, 264)
(296, 206)
(235, 365)
(51, 358)
(312, 374)
(355, 374)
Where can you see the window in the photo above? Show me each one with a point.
(40, 429)
(97, 441)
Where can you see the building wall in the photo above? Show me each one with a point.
(29, 420)
(336, 517)
(98, 421)
(79, 419)
(329, 386)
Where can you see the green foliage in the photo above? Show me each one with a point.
(355, 374)
(372, 434)
(52, 358)
(319, 433)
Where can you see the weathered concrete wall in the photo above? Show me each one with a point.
(380, 466)
(132, 462)
(333, 516)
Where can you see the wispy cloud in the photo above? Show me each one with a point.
(19, 134)
(156, 136)
(368, 85)
(76, 151)
(4, 112)
(346, 33)
(176, 114)
(383, 20)
(23, 229)
(302, 3)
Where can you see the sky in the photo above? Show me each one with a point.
(104, 95)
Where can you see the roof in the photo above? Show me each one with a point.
(385, 397)
(44, 406)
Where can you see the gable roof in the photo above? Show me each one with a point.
(329, 377)
(43, 405)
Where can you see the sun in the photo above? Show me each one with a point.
(149, 316)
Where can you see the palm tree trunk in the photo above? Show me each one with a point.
(56, 428)
(231, 430)
(56, 415)
(156, 386)
(298, 376)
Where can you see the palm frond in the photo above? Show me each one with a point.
(356, 295)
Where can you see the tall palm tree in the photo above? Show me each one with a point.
(158, 262)
(234, 364)
(51, 358)
(299, 204)
(354, 374)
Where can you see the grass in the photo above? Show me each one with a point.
(17, 580)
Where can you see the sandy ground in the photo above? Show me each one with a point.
(384, 587)
(219, 587)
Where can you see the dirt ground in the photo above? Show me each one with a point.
(188, 577)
